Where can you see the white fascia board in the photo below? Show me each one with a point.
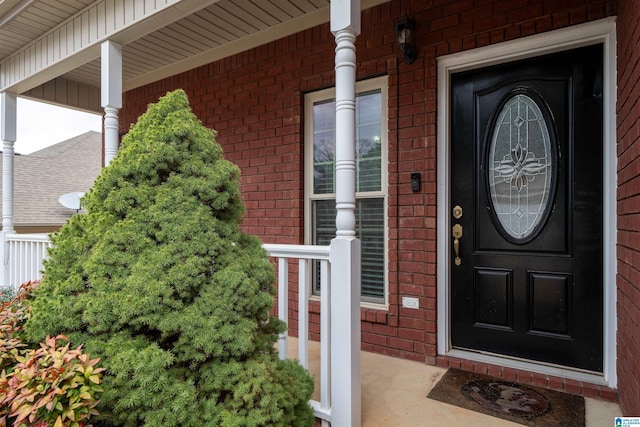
(67, 93)
(77, 40)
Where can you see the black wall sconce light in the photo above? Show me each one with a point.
(405, 30)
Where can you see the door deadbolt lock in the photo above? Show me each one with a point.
(457, 212)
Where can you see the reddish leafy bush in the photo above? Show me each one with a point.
(49, 386)
(13, 315)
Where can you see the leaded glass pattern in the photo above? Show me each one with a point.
(520, 169)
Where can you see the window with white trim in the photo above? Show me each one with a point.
(371, 180)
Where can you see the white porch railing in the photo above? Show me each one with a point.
(26, 253)
(25, 256)
(306, 255)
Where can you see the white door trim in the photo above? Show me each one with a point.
(601, 31)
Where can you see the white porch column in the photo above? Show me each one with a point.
(111, 96)
(345, 248)
(8, 123)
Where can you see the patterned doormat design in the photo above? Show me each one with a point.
(530, 406)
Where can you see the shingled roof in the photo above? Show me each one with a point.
(42, 177)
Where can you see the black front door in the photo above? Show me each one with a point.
(526, 198)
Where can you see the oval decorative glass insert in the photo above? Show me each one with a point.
(520, 169)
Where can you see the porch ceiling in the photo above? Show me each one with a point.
(171, 44)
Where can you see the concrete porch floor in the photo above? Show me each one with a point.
(394, 394)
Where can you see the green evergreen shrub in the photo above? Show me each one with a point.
(158, 280)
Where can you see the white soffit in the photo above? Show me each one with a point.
(75, 41)
(160, 38)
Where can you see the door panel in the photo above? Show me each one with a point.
(526, 164)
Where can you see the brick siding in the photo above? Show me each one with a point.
(628, 128)
(255, 101)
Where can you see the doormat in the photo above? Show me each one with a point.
(530, 406)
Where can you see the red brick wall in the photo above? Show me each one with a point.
(629, 207)
(254, 100)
